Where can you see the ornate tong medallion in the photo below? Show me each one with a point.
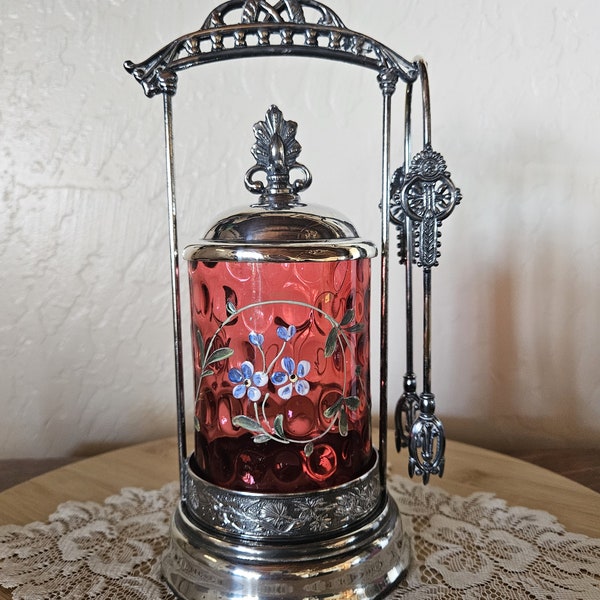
(427, 197)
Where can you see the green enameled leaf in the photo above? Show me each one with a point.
(355, 328)
(218, 355)
(352, 402)
(261, 438)
(207, 372)
(343, 424)
(278, 426)
(200, 342)
(230, 308)
(196, 424)
(247, 423)
(333, 409)
(331, 342)
(348, 317)
(308, 449)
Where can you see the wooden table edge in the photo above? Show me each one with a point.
(150, 465)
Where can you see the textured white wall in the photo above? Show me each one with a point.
(85, 346)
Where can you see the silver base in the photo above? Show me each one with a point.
(362, 563)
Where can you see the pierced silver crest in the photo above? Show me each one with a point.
(239, 28)
(427, 197)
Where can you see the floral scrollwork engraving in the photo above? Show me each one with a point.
(282, 516)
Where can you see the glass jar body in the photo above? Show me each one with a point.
(281, 365)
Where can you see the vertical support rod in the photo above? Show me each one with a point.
(408, 280)
(427, 330)
(385, 249)
(426, 270)
(175, 293)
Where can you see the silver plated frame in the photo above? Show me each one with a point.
(267, 29)
(356, 558)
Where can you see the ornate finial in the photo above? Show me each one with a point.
(276, 150)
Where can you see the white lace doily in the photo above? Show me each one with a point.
(463, 548)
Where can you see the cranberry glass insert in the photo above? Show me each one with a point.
(281, 364)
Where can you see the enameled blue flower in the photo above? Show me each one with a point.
(286, 333)
(245, 377)
(291, 378)
(256, 339)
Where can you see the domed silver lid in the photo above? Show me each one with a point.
(279, 227)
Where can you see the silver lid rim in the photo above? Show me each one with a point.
(322, 251)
